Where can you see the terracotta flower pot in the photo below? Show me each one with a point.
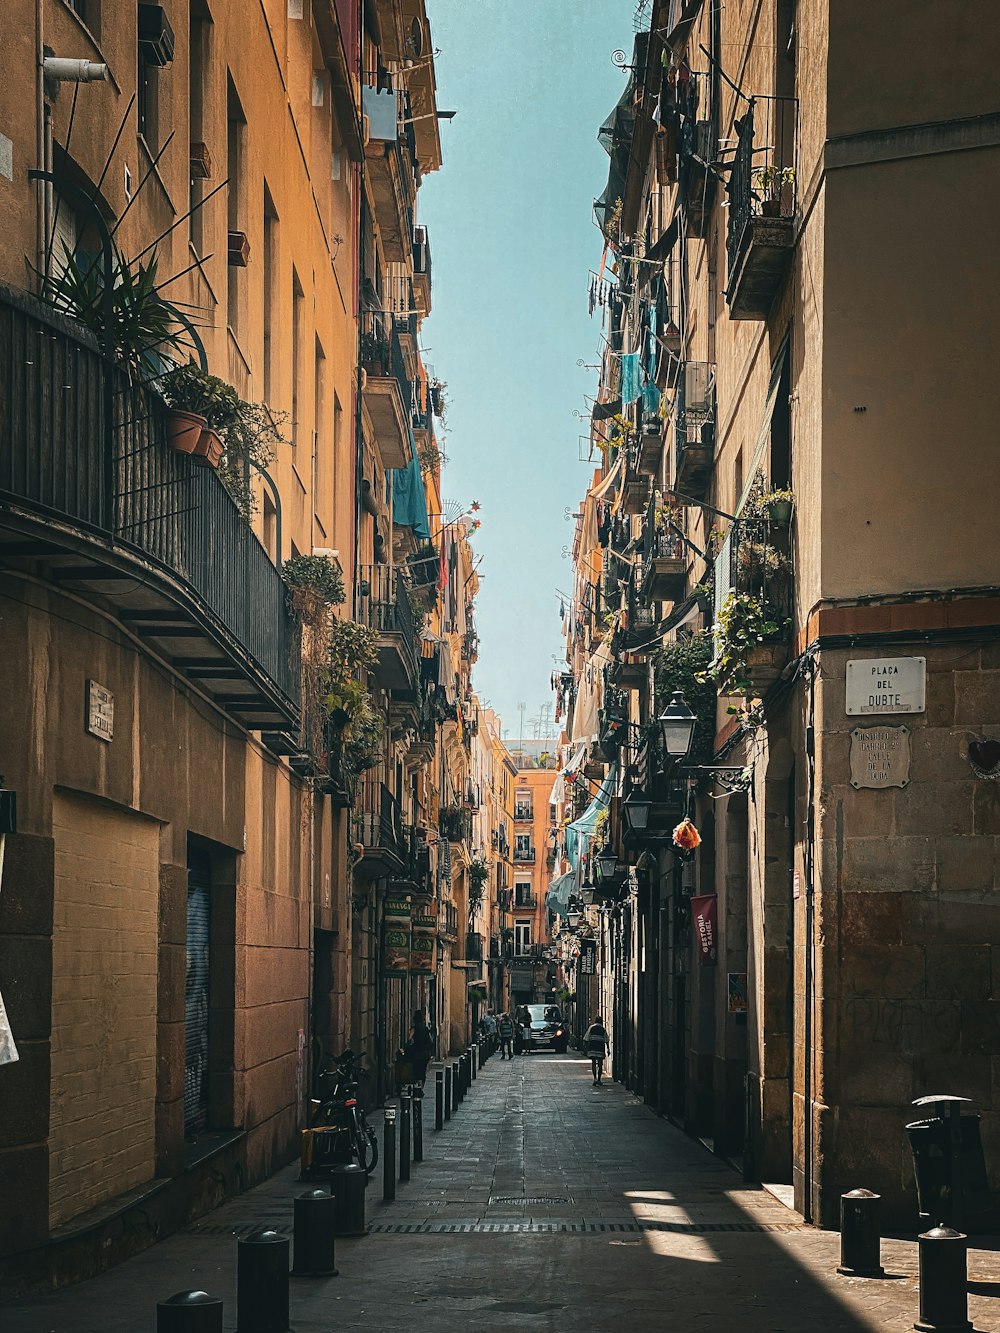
(184, 430)
(209, 449)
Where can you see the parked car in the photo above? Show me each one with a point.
(544, 1028)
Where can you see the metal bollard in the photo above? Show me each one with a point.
(389, 1155)
(474, 1060)
(262, 1282)
(454, 1087)
(315, 1229)
(482, 1054)
(944, 1296)
(860, 1236)
(405, 1105)
(448, 1094)
(347, 1185)
(189, 1312)
(418, 1126)
(439, 1099)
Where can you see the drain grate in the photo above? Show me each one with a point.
(240, 1232)
(527, 1198)
(543, 1226)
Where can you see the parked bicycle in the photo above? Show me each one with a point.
(338, 1108)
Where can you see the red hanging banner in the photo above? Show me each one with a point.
(705, 915)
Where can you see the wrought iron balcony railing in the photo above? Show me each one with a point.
(85, 466)
(524, 855)
(378, 828)
(385, 607)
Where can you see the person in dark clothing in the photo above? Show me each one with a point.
(506, 1027)
(595, 1043)
(420, 1047)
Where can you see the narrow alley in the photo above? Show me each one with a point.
(543, 1204)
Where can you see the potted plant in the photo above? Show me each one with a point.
(314, 583)
(236, 434)
(744, 661)
(771, 182)
(778, 506)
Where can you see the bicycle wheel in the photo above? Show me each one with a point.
(366, 1145)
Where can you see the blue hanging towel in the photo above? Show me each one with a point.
(409, 500)
(630, 377)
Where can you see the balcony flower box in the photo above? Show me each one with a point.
(184, 430)
(765, 664)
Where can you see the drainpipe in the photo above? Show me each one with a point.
(810, 875)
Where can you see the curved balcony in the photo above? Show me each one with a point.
(92, 496)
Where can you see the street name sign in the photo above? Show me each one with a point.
(880, 685)
(880, 756)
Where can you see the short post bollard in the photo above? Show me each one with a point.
(389, 1155)
(448, 1094)
(482, 1054)
(455, 1098)
(347, 1185)
(439, 1099)
(315, 1229)
(474, 1060)
(418, 1125)
(860, 1235)
(944, 1296)
(189, 1312)
(262, 1282)
(405, 1104)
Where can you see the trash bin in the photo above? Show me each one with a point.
(948, 1162)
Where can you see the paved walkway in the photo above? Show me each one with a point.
(548, 1205)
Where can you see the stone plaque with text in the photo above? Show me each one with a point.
(880, 756)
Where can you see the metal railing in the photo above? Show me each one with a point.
(524, 813)
(473, 946)
(386, 609)
(525, 902)
(382, 355)
(762, 179)
(377, 820)
(82, 446)
(525, 855)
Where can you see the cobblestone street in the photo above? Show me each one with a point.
(544, 1204)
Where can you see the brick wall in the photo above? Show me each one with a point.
(104, 964)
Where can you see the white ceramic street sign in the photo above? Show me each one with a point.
(880, 685)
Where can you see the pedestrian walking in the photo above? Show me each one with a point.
(419, 1047)
(595, 1043)
(506, 1029)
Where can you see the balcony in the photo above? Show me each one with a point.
(416, 877)
(524, 856)
(448, 921)
(393, 182)
(384, 606)
(694, 429)
(422, 269)
(91, 492)
(473, 947)
(760, 232)
(526, 902)
(387, 390)
(645, 460)
(523, 814)
(378, 830)
(455, 824)
(664, 562)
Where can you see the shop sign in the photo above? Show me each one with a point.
(588, 958)
(737, 989)
(396, 954)
(880, 757)
(422, 944)
(879, 685)
(705, 915)
(100, 711)
(397, 909)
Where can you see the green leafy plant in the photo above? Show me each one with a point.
(744, 621)
(613, 223)
(362, 742)
(250, 432)
(137, 326)
(683, 666)
(315, 583)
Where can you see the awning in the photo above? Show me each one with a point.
(607, 483)
(579, 833)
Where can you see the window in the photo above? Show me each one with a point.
(522, 894)
(146, 100)
(522, 847)
(271, 288)
(237, 203)
(198, 56)
(298, 309)
(321, 442)
(522, 937)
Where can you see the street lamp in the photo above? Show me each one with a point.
(607, 867)
(677, 724)
(636, 809)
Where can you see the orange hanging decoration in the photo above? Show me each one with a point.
(686, 836)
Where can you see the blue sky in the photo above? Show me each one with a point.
(512, 242)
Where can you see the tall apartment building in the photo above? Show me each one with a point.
(194, 905)
(800, 208)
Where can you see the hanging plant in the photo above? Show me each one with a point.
(744, 622)
(315, 583)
